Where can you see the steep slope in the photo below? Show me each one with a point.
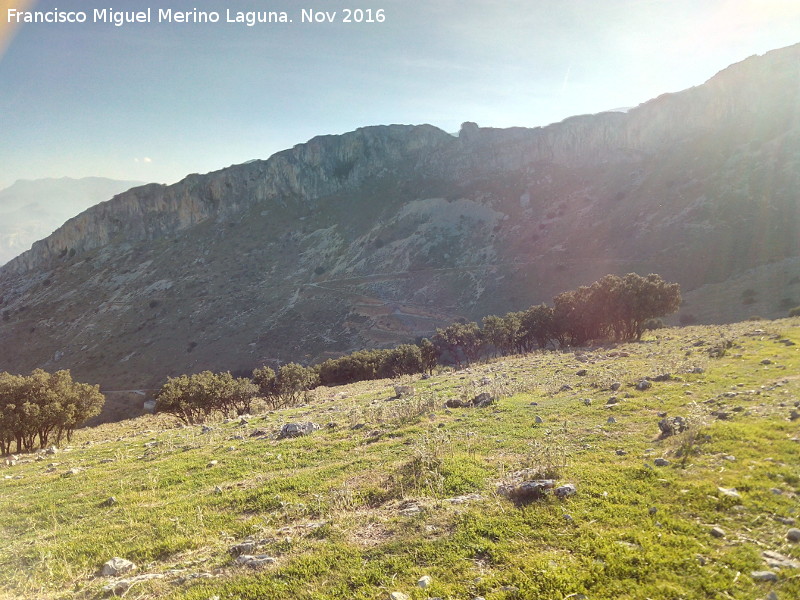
(379, 235)
(390, 490)
(31, 210)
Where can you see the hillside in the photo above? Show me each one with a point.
(390, 490)
(32, 210)
(380, 235)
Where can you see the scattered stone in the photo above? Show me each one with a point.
(565, 491)
(582, 373)
(776, 560)
(662, 377)
(643, 385)
(409, 508)
(109, 502)
(672, 426)
(398, 596)
(793, 535)
(456, 403)
(772, 595)
(243, 548)
(483, 400)
(217, 489)
(255, 561)
(206, 429)
(766, 361)
(293, 430)
(259, 433)
(698, 370)
(652, 510)
(615, 386)
(466, 498)
(486, 381)
(729, 458)
(611, 420)
(785, 520)
(729, 492)
(528, 491)
(621, 452)
(117, 566)
(565, 388)
(538, 419)
(424, 581)
(794, 415)
(587, 401)
(612, 401)
(403, 390)
(71, 472)
(717, 532)
(51, 450)
(212, 463)
(123, 585)
(661, 462)
(764, 576)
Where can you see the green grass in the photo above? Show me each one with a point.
(361, 512)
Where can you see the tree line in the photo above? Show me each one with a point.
(41, 406)
(611, 309)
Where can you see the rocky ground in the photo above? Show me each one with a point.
(662, 469)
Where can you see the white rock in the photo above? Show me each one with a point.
(425, 581)
(117, 566)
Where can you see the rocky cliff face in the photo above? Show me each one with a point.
(382, 234)
(31, 210)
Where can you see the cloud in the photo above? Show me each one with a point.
(147, 159)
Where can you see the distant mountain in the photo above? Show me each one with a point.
(32, 210)
(380, 235)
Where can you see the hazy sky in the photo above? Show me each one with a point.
(157, 101)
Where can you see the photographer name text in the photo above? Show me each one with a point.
(120, 18)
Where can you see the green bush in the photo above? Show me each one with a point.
(794, 312)
(193, 398)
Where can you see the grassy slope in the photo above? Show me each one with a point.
(361, 512)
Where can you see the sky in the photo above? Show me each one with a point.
(157, 101)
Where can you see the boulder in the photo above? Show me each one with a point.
(565, 491)
(672, 426)
(255, 562)
(293, 430)
(528, 491)
(483, 400)
(117, 566)
(403, 390)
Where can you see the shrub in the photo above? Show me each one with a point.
(193, 398)
(795, 312)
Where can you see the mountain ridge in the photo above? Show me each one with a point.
(380, 235)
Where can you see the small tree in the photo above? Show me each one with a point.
(267, 384)
(294, 381)
(428, 352)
